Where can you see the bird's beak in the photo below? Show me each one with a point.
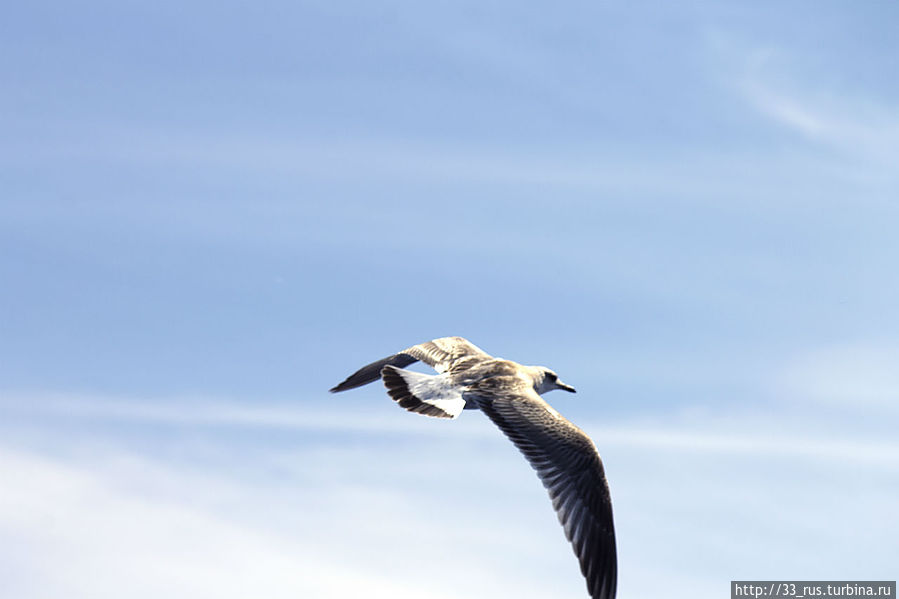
(564, 387)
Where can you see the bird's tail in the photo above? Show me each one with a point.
(431, 395)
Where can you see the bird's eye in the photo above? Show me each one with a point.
(552, 377)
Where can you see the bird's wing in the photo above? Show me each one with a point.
(442, 354)
(569, 467)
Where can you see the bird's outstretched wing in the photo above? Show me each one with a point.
(570, 468)
(442, 354)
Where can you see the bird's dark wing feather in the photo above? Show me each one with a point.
(570, 468)
(441, 354)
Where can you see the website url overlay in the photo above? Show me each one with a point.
(799, 589)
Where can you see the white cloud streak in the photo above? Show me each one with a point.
(88, 537)
(849, 121)
(153, 498)
(845, 375)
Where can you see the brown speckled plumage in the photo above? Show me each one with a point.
(564, 457)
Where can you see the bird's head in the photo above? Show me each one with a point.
(547, 380)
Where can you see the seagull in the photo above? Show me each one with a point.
(565, 458)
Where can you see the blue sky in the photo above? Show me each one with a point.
(211, 213)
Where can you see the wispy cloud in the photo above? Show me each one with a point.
(89, 536)
(205, 498)
(790, 112)
(855, 122)
(842, 374)
(854, 125)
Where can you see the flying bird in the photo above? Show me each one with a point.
(564, 457)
